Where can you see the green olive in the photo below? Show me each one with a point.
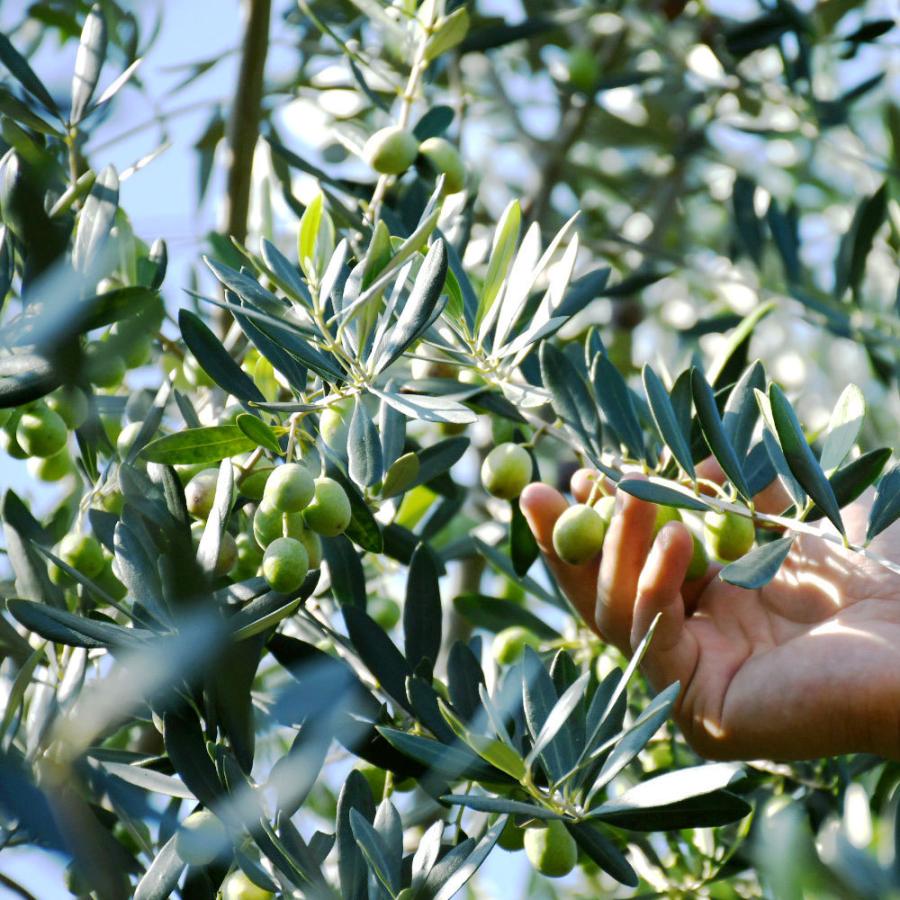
(83, 553)
(329, 512)
(313, 544)
(384, 611)
(253, 485)
(509, 644)
(584, 69)
(270, 524)
(200, 493)
(51, 468)
(578, 534)
(126, 439)
(41, 432)
(551, 849)
(728, 535)
(201, 838)
(285, 565)
(10, 445)
(699, 560)
(664, 515)
(106, 580)
(71, 404)
(375, 777)
(249, 557)
(334, 424)
(105, 368)
(512, 837)
(289, 488)
(391, 150)
(506, 471)
(237, 886)
(606, 508)
(445, 159)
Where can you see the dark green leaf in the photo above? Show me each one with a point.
(433, 123)
(23, 73)
(731, 360)
(851, 480)
(438, 458)
(668, 424)
(448, 762)
(850, 262)
(363, 447)
(661, 494)
(759, 566)
(615, 401)
(803, 464)
(215, 359)
(714, 432)
(422, 609)
(539, 697)
(356, 797)
(449, 884)
(378, 653)
(464, 676)
(570, 397)
(186, 749)
(749, 228)
(523, 548)
(198, 445)
(348, 580)
(374, 849)
(258, 432)
(603, 852)
(741, 409)
(886, 507)
(64, 627)
(500, 805)
(418, 311)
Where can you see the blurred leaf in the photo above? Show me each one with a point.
(748, 226)
(150, 780)
(758, 567)
(186, 749)
(162, 875)
(843, 428)
(23, 73)
(886, 506)
(95, 223)
(374, 849)
(447, 883)
(215, 359)
(356, 797)
(448, 762)
(490, 749)
(198, 445)
(88, 62)
(348, 580)
(378, 653)
(603, 852)
(804, 466)
(63, 627)
(850, 262)
(433, 123)
(422, 609)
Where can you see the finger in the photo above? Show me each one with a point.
(542, 505)
(672, 654)
(624, 554)
(773, 498)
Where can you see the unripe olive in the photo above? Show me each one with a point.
(512, 837)
(384, 611)
(249, 557)
(664, 515)
(253, 484)
(375, 777)
(334, 424)
(606, 508)
(329, 512)
(41, 432)
(391, 150)
(584, 69)
(509, 644)
(285, 565)
(551, 849)
(699, 560)
(106, 580)
(126, 439)
(104, 368)
(83, 553)
(237, 886)
(186, 471)
(289, 488)
(200, 493)
(269, 524)
(51, 468)
(130, 341)
(729, 535)
(506, 471)
(445, 159)
(201, 838)
(71, 405)
(313, 544)
(9, 443)
(578, 534)
(421, 368)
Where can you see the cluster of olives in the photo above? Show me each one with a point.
(392, 150)
(86, 555)
(580, 531)
(295, 509)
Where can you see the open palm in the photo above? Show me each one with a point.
(807, 666)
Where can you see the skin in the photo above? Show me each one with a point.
(807, 666)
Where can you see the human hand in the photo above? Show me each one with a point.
(807, 666)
